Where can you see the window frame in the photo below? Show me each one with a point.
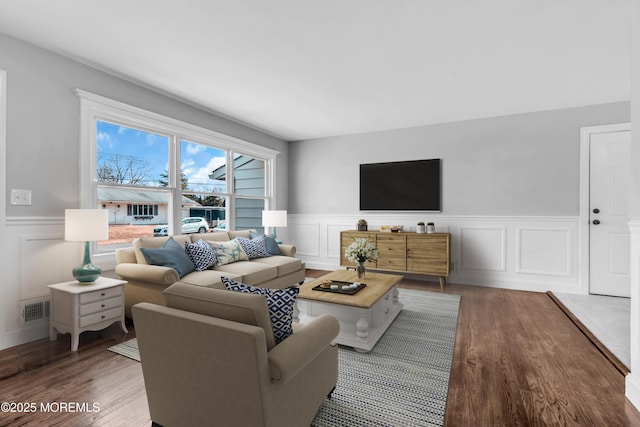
(94, 108)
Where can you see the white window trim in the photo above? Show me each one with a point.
(95, 107)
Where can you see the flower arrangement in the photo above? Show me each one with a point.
(361, 250)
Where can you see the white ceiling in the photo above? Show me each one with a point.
(301, 69)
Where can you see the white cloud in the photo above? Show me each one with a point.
(193, 149)
(198, 177)
(104, 138)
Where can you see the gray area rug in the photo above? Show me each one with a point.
(128, 349)
(403, 381)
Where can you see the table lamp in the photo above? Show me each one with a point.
(274, 219)
(86, 225)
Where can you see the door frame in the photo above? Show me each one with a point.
(585, 171)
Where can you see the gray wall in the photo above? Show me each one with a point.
(43, 124)
(526, 164)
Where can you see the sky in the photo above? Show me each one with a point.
(150, 152)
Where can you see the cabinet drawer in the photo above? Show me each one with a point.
(391, 263)
(428, 246)
(114, 313)
(392, 251)
(435, 267)
(391, 245)
(103, 305)
(100, 295)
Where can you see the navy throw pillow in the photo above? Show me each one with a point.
(279, 301)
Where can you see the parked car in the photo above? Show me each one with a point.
(220, 227)
(189, 225)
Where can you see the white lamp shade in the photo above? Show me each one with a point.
(86, 225)
(274, 218)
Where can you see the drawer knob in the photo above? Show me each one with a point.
(102, 305)
(102, 316)
(386, 297)
(386, 311)
(102, 294)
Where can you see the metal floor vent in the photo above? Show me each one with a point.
(34, 312)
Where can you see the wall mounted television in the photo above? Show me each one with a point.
(412, 185)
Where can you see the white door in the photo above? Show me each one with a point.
(609, 210)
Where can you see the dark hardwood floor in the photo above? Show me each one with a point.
(519, 361)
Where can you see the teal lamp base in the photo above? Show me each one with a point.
(87, 273)
(275, 236)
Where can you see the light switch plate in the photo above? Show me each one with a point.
(21, 197)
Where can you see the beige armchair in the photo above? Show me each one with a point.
(209, 359)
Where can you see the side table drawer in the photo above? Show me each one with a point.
(114, 313)
(100, 305)
(100, 295)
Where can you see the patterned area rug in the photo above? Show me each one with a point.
(403, 381)
(128, 349)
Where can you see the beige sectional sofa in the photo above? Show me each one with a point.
(145, 282)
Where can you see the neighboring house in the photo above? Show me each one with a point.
(248, 180)
(136, 207)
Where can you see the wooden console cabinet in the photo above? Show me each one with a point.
(428, 253)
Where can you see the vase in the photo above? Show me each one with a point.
(361, 270)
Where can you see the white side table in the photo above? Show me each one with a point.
(77, 308)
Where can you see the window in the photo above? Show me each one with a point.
(151, 170)
(250, 189)
(201, 183)
(142, 210)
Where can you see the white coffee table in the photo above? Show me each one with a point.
(364, 316)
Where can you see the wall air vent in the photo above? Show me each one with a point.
(34, 311)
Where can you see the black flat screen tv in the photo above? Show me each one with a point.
(412, 185)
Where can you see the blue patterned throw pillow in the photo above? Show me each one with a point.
(254, 248)
(201, 253)
(270, 242)
(279, 301)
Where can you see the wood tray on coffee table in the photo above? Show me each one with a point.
(342, 287)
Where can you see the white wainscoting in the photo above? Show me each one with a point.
(527, 253)
(37, 256)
